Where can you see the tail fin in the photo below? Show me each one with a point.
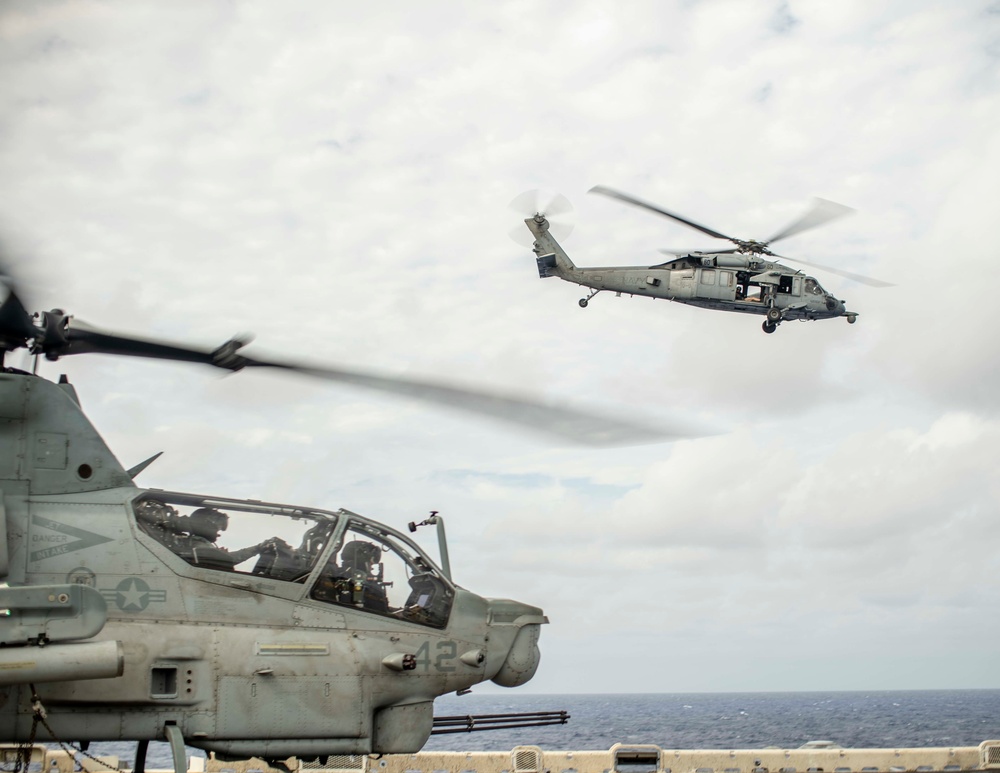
(552, 259)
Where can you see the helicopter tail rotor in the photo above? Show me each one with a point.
(554, 207)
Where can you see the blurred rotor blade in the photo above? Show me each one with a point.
(15, 321)
(659, 210)
(538, 201)
(681, 253)
(556, 208)
(578, 426)
(866, 280)
(822, 211)
(81, 338)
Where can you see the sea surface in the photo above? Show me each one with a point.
(710, 721)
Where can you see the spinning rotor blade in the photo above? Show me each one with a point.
(822, 211)
(865, 280)
(659, 210)
(15, 321)
(554, 206)
(681, 253)
(548, 203)
(570, 424)
(55, 334)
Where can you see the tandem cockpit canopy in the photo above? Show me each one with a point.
(335, 558)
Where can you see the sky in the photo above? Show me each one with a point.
(334, 178)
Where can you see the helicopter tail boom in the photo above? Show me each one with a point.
(552, 258)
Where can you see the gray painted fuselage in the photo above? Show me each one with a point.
(122, 638)
(727, 281)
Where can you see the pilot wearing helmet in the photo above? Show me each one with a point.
(205, 525)
(354, 582)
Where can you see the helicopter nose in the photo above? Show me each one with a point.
(522, 658)
(523, 626)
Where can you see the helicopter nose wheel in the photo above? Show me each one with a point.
(769, 327)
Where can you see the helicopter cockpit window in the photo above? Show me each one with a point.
(228, 537)
(375, 573)
(812, 287)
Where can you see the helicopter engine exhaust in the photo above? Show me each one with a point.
(725, 261)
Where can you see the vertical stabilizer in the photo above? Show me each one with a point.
(552, 258)
(48, 443)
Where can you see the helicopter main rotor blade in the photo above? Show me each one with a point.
(15, 321)
(659, 210)
(582, 427)
(822, 211)
(866, 280)
(681, 253)
(81, 338)
(578, 426)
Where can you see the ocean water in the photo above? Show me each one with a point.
(737, 720)
(710, 720)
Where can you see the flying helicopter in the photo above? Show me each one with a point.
(743, 278)
(130, 613)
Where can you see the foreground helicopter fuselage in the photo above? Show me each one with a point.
(724, 281)
(127, 624)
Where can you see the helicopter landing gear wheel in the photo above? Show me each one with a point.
(584, 301)
(852, 318)
(773, 315)
(769, 327)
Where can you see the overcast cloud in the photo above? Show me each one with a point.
(334, 178)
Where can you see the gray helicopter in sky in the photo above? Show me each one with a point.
(739, 278)
(139, 614)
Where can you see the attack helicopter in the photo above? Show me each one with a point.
(125, 614)
(741, 278)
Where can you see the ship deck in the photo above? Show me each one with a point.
(815, 757)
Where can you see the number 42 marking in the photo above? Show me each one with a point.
(446, 651)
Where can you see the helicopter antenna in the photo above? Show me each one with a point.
(133, 471)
